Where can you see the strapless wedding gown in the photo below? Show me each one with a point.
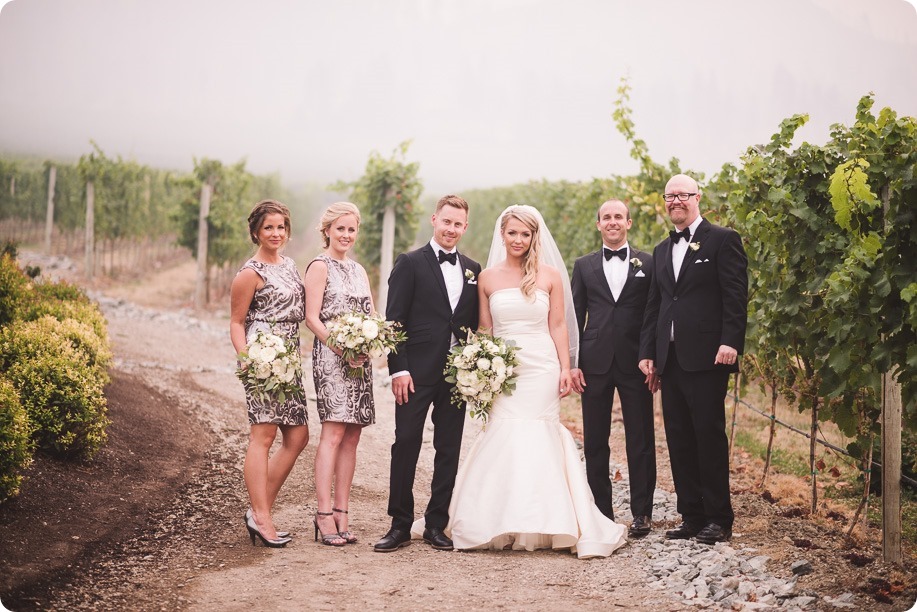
(523, 484)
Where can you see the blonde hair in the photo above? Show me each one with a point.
(263, 209)
(332, 214)
(533, 255)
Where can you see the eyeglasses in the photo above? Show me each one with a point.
(682, 197)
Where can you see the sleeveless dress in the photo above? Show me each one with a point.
(278, 307)
(341, 398)
(523, 484)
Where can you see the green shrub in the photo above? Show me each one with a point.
(13, 287)
(42, 301)
(15, 440)
(61, 393)
(82, 338)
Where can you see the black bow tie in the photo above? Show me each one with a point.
(622, 253)
(450, 257)
(676, 236)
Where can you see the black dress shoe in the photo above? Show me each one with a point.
(393, 540)
(684, 531)
(435, 537)
(713, 533)
(640, 527)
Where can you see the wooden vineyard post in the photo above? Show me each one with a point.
(90, 230)
(200, 287)
(386, 254)
(891, 468)
(735, 409)
(49, 216)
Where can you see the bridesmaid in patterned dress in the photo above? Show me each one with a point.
(335, 284)
(266, 294)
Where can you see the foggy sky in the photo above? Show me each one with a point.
(491, 92)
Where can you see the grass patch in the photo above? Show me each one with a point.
(782, 461)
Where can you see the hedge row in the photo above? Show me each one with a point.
(54, 358)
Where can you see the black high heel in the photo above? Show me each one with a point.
(328, 539)
(348, 537)
(254, 532)
(280, 534)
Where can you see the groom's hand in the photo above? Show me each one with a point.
(579, 381)
(401, 387)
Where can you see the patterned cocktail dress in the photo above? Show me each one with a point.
(342, 398)
(278, 307)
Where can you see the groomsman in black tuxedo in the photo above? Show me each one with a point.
(693, 333)
(610, 288)
(433, 293)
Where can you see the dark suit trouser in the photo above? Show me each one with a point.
(695, 430)
(637, 410)
(448, 421)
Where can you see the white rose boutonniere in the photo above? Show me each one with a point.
(694, 246)
(636, 263)
(469, 277)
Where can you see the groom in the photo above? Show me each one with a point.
(610, 288)
(433, 293)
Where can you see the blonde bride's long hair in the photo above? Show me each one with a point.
(532, 257)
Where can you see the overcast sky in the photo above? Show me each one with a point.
(492, 92)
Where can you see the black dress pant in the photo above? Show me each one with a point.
(637, 410)
(448, 421)
(695, 429)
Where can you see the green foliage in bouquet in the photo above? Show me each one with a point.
(15, 440)
(481, 368)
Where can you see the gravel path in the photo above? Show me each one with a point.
(166, 348)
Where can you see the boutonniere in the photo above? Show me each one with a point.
(694, 246)
(636, 263)
(469, 276)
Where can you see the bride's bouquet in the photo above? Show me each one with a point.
(357, 333)
(481, 366)
(270, 366)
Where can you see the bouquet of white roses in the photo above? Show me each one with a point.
(270, 366)
(362, 334)
(481, 366)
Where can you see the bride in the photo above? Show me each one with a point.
(523, 485)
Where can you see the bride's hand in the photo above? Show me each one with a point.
(566, 383)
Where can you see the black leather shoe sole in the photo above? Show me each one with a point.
(388, 549)
(681, 534)
(438, 546)
(722, 537)
(639, 533)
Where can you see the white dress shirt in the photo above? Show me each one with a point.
(616, 270)
(455, 282)
(679, 250)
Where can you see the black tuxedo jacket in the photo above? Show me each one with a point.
(610, 329)
(417, 299)
(708, 304)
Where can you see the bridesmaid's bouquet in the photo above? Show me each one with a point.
(270, 366)
(357, 333)
(481, 366)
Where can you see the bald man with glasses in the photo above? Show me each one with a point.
(693, 332)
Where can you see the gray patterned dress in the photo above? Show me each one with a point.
(342, 398)
(279, 305)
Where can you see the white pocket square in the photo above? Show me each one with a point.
(639, 274)
(471, 281)
(702, 261)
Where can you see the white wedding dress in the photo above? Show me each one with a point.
(523, 484)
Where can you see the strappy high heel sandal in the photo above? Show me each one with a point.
(254, 532)
(348, 537)
(328, 539)
(280, 534)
